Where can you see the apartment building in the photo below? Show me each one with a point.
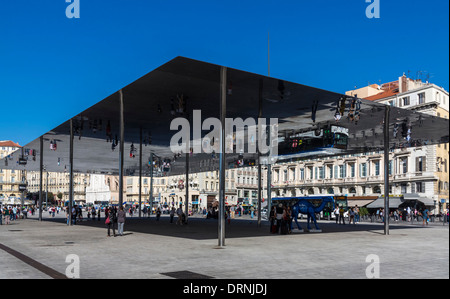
(10, 180)
(420, 170)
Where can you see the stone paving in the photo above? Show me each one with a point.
(151, 248)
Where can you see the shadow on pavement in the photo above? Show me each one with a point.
(203, 229)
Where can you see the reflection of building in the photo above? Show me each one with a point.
(57, 183)
(9, 179)
(420, 170)
(97, 190)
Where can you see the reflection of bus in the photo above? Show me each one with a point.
(316, 201)
(330, 139)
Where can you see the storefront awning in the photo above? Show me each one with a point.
(394, 203)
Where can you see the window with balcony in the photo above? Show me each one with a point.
(405, 101)
(404, 165)
(341, 171)
(302, 174)
(421, 98)
(420, 164)
(377, 167)
(330, 171)
(352, 170)
(363, 170)
(420, 187)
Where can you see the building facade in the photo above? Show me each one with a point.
(10, 180)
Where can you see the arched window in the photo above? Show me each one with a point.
(310, 191)
(352, 190)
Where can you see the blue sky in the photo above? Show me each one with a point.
(52, 67)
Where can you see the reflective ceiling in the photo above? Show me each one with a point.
(152, 102)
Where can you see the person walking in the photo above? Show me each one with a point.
(7, 216)
(336, 213)
(357, 215)
(158, 214)
(279, 216)
(341, 215)
(172, 214)
(110, 221)
(121, 216)
(272, 220)
(425, 216)
(352, 216)
(180, 215)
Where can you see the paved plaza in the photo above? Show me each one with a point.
(153, 249)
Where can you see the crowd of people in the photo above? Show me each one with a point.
(11, 213)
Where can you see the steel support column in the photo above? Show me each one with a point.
(121, 149)
(151, 184)
(260, 97)
(71, 172)
(41, 166)
(186, 185)
(386, 171)
(140, 173)
(223, 112)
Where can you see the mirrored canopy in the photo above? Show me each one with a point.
(312, 123)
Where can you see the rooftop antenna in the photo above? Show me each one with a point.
(268, 52)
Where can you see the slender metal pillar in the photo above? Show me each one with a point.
(269, 189)
(259, 192)
(386, 171)
(41, 166)
(223, 112)
(151, 184)
(259, 153)
(186, 185)
(121, 149)
(140, 173)
(71, 172)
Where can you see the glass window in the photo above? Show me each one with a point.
(363, 170)
(421, 98)
(377, 167)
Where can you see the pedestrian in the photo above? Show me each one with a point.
(67, 216)
(158, 214)
(336, 213)
(121, 216)
(7, 215)
(341, 215)
(279, 215)
(74, 214)
(110, 221)
(172, 214)
(289, 219)
(180, 215)
(272, 218)
(425, 217)
(357, 216)
(352, 216)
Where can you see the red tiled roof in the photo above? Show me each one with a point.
(9, 143)
(382, 95)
